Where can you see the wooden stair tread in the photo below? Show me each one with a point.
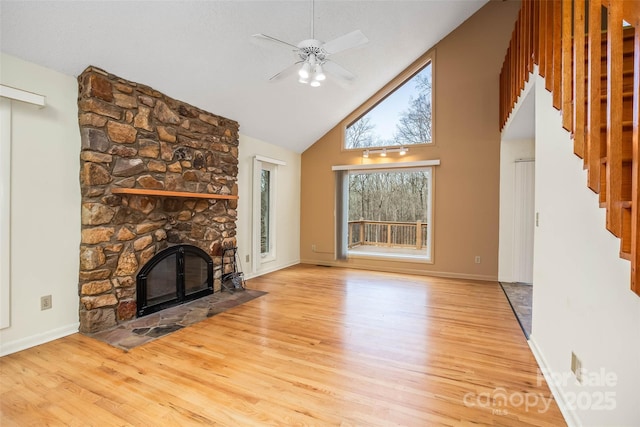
(625, 160)
(625, 95)
(625, 124)
(625, 204)
(625, 73)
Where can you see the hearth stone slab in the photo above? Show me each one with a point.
(195, 315)
(163, 330)
(140, 331)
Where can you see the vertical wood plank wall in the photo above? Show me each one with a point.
(594, 76)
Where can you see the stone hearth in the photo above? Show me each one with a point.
(133, 333)
(136, 137)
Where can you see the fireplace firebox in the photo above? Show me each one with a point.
(174, 276)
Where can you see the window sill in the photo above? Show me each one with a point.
(391, 257)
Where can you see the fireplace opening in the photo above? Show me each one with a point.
(172, 277)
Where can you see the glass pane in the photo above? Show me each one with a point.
(195, 274)
(161, 282)
(265, 189)
(389, 196)
(390, 210)
(402, 118)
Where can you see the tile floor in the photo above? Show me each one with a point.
(520, 296)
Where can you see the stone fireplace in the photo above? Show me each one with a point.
(155, 173)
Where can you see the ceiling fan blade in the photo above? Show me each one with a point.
(273, 39)
(348, 41)
(338, 70)
(286, 72)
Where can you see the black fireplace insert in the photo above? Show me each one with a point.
(172, 277)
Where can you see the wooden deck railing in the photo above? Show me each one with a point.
(383, 233)
(594, 76)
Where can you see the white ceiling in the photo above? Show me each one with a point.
(202, 52)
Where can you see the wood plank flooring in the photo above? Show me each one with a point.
(326, 346)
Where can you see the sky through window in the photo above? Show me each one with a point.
(402, 118)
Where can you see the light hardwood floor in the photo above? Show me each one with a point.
(326, 346)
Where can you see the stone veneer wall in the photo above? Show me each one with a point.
(135, 137)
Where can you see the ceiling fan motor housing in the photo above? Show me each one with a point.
(312, 48)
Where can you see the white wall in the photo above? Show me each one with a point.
(581, 297)
(287, 205)
(45, 206)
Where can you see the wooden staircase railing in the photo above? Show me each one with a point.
(594, 76)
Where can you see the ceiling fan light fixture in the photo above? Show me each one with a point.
(304, 71)
(314, 83)
(318, 74)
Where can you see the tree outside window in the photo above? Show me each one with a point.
(402, 118)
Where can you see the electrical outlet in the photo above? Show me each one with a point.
(477, 259)
(45, 302)
(576, 367)
(313, 248)
(246, 258)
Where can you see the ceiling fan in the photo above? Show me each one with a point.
(314, 55)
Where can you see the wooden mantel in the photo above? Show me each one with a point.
(165, 193)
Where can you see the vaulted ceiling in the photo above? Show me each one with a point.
(202, 52)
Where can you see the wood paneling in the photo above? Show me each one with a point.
(578, 78)
(614, 115)
(594, 119)
(567, 88)
(557, 55)
(632, 9)
(549, 43)
(594, 75)
(325, 346)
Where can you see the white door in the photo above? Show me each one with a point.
(524, 221)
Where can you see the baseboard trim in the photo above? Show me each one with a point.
(569, 416)
(418, 272)
(270, 270)
(34, 340)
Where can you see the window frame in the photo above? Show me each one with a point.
(428, 258)
(342, 197)
(5, 212)
(269, 255)
(261, 163)
(385, 92)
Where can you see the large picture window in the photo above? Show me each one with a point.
(389, 213)
(404, 117)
